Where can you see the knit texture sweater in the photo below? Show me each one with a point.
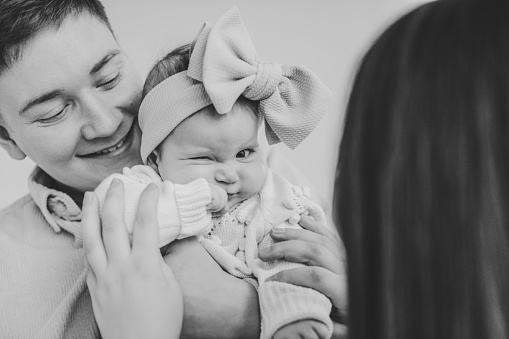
(181, 208)
(234, 239)
(43, 290)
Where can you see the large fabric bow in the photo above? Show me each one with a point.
(292, 99)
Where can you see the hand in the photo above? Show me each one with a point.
(134, 293)
(306, 329)
(323, 252)
(217, 305)
(219, 203)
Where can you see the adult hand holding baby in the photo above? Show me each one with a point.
(323, 252)
(133, 279)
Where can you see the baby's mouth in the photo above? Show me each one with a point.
(231, 196)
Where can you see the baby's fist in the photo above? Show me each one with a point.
(307, 329)
(219, 203)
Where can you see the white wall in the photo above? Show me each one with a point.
(328, 36)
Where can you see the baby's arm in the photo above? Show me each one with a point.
(289, 308)
(281, 304)
(183, 210)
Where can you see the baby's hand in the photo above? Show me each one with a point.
(219, 203)
(307, 329)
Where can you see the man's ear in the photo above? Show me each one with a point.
(152, 161)
(10, 145)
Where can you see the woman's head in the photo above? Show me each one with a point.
(423, 176)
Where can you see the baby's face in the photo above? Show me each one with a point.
(223, 149)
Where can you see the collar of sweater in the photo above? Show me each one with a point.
(58, 208)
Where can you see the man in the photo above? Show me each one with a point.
(69, 97)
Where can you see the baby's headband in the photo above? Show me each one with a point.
(223, 66)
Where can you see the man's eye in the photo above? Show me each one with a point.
(53, 118)
(111, 83)
(244, 153)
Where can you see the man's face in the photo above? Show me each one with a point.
(223, 150)
(70, 103)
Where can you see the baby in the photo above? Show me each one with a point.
(200, 116)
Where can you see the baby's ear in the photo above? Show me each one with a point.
(152, 161)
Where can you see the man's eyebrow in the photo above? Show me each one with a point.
(40, 99)
(98, 66)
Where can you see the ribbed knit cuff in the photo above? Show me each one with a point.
(282, 303)
(192, 200)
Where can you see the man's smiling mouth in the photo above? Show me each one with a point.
(112, 148)
(116, 148)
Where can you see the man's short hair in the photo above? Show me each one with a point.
(21, 20)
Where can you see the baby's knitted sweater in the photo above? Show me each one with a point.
(181, 208)
(234, 239)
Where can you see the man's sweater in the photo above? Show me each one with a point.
(43, 291)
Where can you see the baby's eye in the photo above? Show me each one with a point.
(201, 158)
(244, 153)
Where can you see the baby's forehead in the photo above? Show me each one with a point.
(237, 127)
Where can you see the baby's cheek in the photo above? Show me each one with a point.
(258, 178)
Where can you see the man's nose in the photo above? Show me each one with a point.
(226, 174)
(102, 118)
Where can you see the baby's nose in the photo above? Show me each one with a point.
(227, 174)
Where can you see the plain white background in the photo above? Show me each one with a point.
(328, 36)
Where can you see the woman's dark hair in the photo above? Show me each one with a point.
(422, 185)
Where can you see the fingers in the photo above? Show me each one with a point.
(304, 252)
(91, 278)
(218, 205)
(92, 239)
(114, 231)
(313, 226)
(340, 331)
(320, 329)
(332, 285)
(146, 231)
(282, 234)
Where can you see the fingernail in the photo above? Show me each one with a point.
(86, 198)
(151, 186)
(278, 230)
(115, 182)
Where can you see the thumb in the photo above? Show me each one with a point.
(219, 199)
